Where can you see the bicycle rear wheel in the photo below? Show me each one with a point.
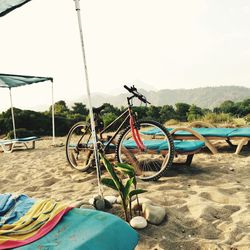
(79, 148)
(153, 161)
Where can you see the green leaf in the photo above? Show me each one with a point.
(112, 172)
(125, 171)
(136, 191)
(127, 188)
(125, 166)
(109, 183)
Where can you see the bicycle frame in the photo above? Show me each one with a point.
(127, 113)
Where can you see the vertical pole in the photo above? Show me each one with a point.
(53, 113)
(94, 137)
(12, 114)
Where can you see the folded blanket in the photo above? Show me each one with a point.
(38, 221)
(13, 207)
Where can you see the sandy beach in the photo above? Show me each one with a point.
(207, 204)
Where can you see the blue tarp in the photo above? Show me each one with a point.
(11, 81)
(89, 230)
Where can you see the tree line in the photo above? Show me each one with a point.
(40, 123)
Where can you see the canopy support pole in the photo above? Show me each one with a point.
(53, 113)
(12, 114)
(94, 137)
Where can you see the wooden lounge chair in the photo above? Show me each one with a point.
(207, 132)
(8, 146)
(188, 148)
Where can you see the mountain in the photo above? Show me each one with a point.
(208, 97)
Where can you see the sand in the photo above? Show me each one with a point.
(207, 204)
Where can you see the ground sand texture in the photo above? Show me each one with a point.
(207, 204)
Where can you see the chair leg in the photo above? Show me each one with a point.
(242, 143)
(229, 143)
(189, 160)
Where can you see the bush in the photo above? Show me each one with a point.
(247, 119)
(20, 132)
(172, 122)
(217, 118)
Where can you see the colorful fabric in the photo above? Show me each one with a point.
(13, 207)
(28, 227)
(88, 229)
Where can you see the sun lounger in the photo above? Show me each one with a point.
(9, 145)
(188, 148)
(46, 224)
(207, 134)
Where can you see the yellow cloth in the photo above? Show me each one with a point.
(40, 213)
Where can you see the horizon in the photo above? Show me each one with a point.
(201, 44)
(70, 102)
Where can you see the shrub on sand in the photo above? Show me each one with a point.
(217, 118)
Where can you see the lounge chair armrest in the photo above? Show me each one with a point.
(198, 136)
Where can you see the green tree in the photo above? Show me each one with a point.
(182, 110)
(80, 108)
(153, 113)
(194, 113)
(60, 108)
(228, 107)
(167, 112)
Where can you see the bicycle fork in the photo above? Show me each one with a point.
(135, 133)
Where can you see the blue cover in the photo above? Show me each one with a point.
(217, 132)
(158, 145)
(89, 230)
(188, 146)
(240, 132)
(12, 208)
(24, 139)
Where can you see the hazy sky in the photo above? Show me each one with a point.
(163, 43)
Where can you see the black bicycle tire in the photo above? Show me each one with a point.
(66, 148)
(171, 149)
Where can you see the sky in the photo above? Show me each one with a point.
(157, 44)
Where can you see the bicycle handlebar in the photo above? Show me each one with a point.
(134, 91)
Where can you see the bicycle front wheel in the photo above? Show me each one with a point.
(152, 161)
(79, 148)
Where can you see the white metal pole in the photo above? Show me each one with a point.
(53, 113)
(12, 114)
(94, 138)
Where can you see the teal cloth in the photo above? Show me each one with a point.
(11, 81)
(187, 146)
(158, 145)
(217, 132)
(24, 139)
(84, 229)
(240, 132)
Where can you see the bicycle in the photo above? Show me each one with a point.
(135, 145)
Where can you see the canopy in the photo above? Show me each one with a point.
(8, 5)
(11, 81)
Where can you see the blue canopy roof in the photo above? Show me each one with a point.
(11, 81)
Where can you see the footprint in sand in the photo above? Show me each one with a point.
(49, 182)
(211, 213)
